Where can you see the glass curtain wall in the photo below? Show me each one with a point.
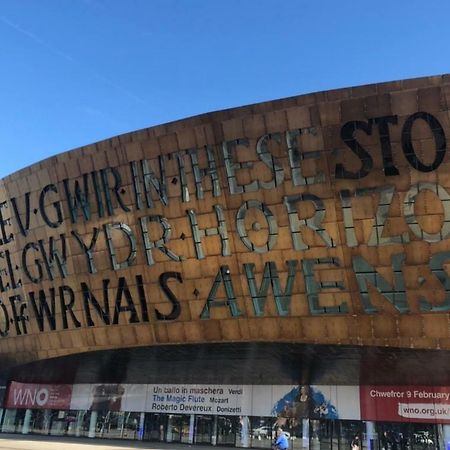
(237, 431)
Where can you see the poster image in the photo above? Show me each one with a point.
(107, 397)
(305, 401)
(98, 397)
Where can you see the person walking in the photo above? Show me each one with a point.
(281, 442)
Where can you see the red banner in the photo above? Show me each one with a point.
(39, 396)
(405, 403)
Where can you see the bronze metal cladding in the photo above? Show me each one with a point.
(322, 218)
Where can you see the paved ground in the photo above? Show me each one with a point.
(20, 442)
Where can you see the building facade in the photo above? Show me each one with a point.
(209, 280)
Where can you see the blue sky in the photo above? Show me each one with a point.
(74, 72)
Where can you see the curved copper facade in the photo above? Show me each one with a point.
(322, 218)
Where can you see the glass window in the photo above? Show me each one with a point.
(261, 431)
(9, 421)
(71, 418)
(83, 423)
(117, 425)
(130, 425)
(109, 424)
(104, 423)
(187, 429)
(299, 433)
(243, 433)
(227, 427)
(58, 424)
(178, 426)
(76, 423)
(19, 419)
(346, 431)
(204, 429)
(40, 421)
(155, 427)
(174, 425)
(424, 436)
(405, 436)
(321, 434)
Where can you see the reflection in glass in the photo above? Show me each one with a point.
(155, 426)
(117, 425)
(204, 429)
(405, 436)
(262, 431)
(226, 430)
(12, 420)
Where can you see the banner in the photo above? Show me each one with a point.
(405, 403)
(38, 396)
(285, 402)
